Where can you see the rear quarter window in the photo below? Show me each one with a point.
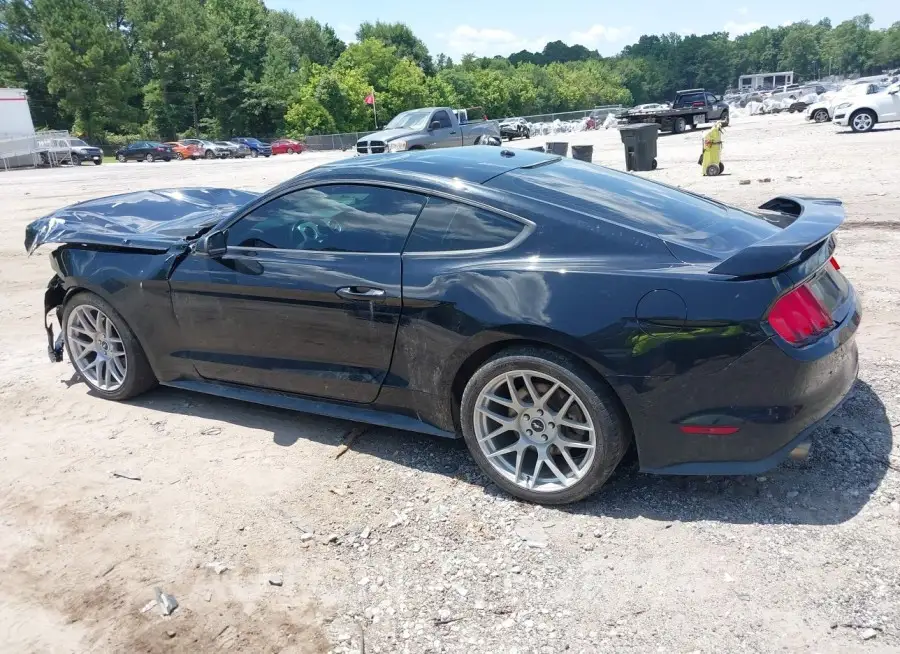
(445, 226)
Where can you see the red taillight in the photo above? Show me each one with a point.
(835, 263)
(710, 430)
(799, 315)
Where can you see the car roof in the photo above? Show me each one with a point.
(474, 164)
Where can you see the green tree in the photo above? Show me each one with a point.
(398, 35)
(87, 63)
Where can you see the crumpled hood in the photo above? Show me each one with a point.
(152, 220)
(389, 135)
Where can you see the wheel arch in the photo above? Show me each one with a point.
(868, 110)
(477, 357)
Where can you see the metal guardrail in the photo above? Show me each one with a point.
(347, 140)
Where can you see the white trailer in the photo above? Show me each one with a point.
(17, 139)
(15, 116)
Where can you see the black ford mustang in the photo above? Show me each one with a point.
(549, 311)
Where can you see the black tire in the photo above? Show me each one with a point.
(721, 168)
(149, 158)
(693, 126)
(869, 126)
(254, 154)
(726, 119)
(209, 154)
(97, 162)
(290, 151)
(76, 160)
(610, 422)
(678, 125)
(713, 170)
(820, 115)
(179, 156)
(121, 158)
(139, 376)
(653, 165)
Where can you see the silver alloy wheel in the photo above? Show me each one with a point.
(534, 431)
(862, 122)
(96, 348)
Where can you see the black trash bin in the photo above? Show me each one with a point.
(558, 148)
(640, 145)
(583, 152)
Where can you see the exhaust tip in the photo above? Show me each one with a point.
(801, 451)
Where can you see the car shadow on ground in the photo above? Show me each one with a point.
(848, 459)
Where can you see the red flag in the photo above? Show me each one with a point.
(370, 99)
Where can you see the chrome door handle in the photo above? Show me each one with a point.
(360, 293)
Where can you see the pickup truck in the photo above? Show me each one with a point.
(428, 128)
(692, 107)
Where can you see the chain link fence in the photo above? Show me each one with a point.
(347, 140)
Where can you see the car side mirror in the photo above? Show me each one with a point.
(435, 124)
(214, 244)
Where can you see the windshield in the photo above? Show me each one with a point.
(415, 119)
(78, 143)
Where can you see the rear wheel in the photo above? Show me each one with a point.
(149, 158)
(179, 156)
(678, 126)
(289, 151)
(121, 158)
(103, 349)
(254, 154)
(725, 118)
(863, 121)
(76, 160)
(542, 427)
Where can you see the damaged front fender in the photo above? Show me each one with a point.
(54, 297)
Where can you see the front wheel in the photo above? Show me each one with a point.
(210, 155)
(289, 151)
(542, 427)
(76, 160)
(121, 158)
(179, 156)
(254, 154)
(97, 162)
(862, 121)
(725, 119)
(820, 115)
(104, 351)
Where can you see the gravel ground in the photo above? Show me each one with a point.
(268, 542)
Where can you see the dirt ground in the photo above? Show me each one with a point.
(401, 545)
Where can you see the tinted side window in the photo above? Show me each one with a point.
(338, 218)
(442, 118)
(445, 225)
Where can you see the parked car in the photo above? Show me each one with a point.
(432, 127)
(148, 151)
(257, 148)
(235, 150)
(288, 146)
(445, 292)
(184, 150)
(822, 112)
(209, 149)
(862, 113)
(68, 150)
(512, 128)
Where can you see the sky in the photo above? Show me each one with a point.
(502, 28)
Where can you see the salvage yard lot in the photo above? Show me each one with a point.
(402, 539)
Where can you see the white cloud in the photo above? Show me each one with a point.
(736, 29)
(487, 42)
(598, 34)
(743, 11)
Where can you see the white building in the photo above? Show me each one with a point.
(765, 80)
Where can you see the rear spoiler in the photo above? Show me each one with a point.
(806, 224)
